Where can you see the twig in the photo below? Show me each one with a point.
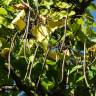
(8, 87)
(62, 71)
(65, 27)
(26, 33)
(46, 54)
(27, 5)
(92, 62)
(63, 44)
(21, 85)
(84, 64)
(10, 50)
(33, 61)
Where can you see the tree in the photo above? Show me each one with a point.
(47, 47)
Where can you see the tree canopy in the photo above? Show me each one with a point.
(47, 48)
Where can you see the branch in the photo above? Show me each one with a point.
(10, 87)
(19, 83)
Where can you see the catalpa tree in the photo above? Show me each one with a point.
(47, 48)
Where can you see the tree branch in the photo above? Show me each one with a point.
(19, 83)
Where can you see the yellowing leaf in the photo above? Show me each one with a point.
(4, 53)
(37, 34)
(40, 32)
(52, 26)
(18, 20)
(21, 24)
(54, 55)
(21, 6)
(66, 52)
(44, 44)
(92, 48)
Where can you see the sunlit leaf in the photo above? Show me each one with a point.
(10, 26)
(75, 68)
(43, 11)
(20, 23)
(54, 55)
(93, 39)
(92, 48)
(46, 3)
(79, 21)
(56, 16)
(18, 20)
(63, 4)
(91, 74)
(7, 2)
(11, 9)
(71, 13)
(94, 24)
(91, 7)
(40, 32)
(21, 14)
(21, 6)
(47, 84)
(53, 25)
(2, 19)
(31, 58)
(50, 62)
(80, 79)
(66, 52)
(3, 11)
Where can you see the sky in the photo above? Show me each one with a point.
(94, 15)
(94, 1)
(94, 12)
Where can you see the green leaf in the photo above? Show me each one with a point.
(7, 2)
(75, 68)
(80, 1)
(71, 13)
(94, 24)
(3, 11)
(93, 39)
(47, 84)
(63, 5)
(90, 74)
(11, 9)
(79, 21)
(46, 3)
(93, 68)
(44, 11)
(50, 62)
(80, 79)
(2, 19)
(92, 7)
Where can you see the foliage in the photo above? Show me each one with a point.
(47, 48)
